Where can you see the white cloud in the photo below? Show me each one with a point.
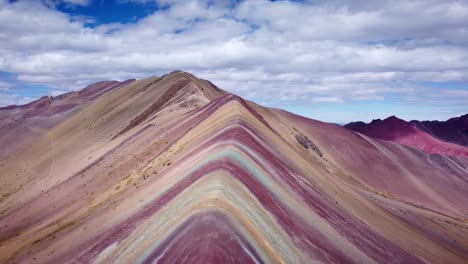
(5, 85)
(327, 100)
(77, 2)
(324, 51)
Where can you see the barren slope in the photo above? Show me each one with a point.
(20, 124)
(175, 170)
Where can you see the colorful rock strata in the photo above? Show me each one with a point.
(173, 169)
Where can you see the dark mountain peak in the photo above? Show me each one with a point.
(355, 123)
(462, 118)
(420, 134)
(356, 126)
(388, 128)
(394, 119)
(453, 130)
(389, 121)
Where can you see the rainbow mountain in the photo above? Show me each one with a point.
(173, 169)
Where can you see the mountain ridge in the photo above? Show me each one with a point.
(410, 134)
(453, 130)
(204, 168)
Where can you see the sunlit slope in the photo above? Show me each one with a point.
(175, 170)
(19, 125)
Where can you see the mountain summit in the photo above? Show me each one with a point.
(173, 169)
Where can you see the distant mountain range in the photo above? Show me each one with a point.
(173, 169)
(454, 130)
(444, 137)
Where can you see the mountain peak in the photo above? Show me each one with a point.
(393, 118)
(416, 134)
(180, 74)
(142, 171)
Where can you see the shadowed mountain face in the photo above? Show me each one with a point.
(176, 170)
(410, 134)
(454, 130)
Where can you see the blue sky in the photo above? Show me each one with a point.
(104, 12)
(336, 60)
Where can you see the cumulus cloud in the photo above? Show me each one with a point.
(313, 51)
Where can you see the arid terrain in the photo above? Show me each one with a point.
(173, 169)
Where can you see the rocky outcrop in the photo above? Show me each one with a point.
(307, 144)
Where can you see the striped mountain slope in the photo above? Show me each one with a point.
(173, 169)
